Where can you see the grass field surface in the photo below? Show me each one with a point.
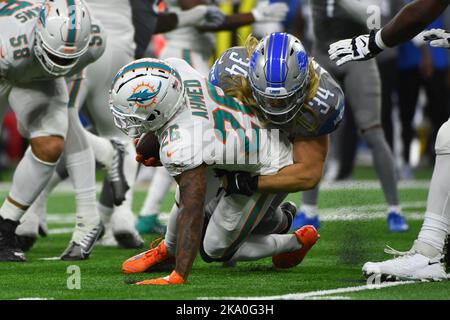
(353, 231)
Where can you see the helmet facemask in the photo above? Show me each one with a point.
(51, 62)
(279, 77)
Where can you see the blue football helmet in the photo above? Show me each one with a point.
(279, 76)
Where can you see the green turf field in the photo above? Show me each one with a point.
(353, 232)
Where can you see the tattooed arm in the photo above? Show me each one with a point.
(192, 186)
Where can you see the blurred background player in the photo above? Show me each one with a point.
(362, 88)
(91, 88)
(196, 46)
(33, 62)
(424, 261)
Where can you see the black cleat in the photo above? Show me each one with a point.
(25, 243)
(129, 240)
(118, 182)
(81, 251)
(289, 209)
(9, 250)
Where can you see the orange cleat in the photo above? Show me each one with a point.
(173, 278)
(307, 236)
(148, 259)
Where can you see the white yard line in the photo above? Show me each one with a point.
(60, 231)
(365, 212)
(317, 294)
(66, 187)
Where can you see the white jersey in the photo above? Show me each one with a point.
(218, 130)
(18, 63)
(189, 37)
(116, 19)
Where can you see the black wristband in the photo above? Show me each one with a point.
(373, 47)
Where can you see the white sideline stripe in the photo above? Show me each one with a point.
(35, 298)
(316, 294)
(331, 298)
(50, 259)
(365, 212)
(66, 187)
(60, 231)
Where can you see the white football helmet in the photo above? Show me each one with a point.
(63, 33)
(145, 95)
(279, 76)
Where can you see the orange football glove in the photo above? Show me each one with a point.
(173, 278)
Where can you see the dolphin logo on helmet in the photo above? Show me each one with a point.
(144, 95)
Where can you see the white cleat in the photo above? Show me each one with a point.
(410, 266)
(108, 239)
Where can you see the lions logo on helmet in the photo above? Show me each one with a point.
(145, 95)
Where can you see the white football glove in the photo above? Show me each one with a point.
(363, 47)
(270, 12)
(214, 17)
(437, 38)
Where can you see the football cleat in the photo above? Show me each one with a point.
(129, 240)
(307, 236)
(118, 182)
(150, 224)
(173, 278)
(82, 250)
(301, 219)
(410, 266)
(108, 239)
(397, 222)
(9, 251)
(148, 259)
(289, 209)
(124, 231)
(25, 242)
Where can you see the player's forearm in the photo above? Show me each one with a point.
(189, 220)
(166, 22)
(294, 178)
(412, 19)
(233, 22)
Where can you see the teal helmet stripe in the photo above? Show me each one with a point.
(72, 33)
(147, 64)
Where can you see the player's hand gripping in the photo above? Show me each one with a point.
(363, 47)
(150, 162)
(237, 182)
(270, 12)
(437, 38)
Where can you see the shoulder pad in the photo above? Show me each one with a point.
(326, 109)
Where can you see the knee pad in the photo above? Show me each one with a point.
(442, 145)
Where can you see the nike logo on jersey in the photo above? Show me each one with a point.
(431, 263)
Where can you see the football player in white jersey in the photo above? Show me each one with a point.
(424, 261)
(179, 44)
(40, 43)
(201, 129)
(91, 88)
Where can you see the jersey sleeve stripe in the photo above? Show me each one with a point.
(74, 91)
